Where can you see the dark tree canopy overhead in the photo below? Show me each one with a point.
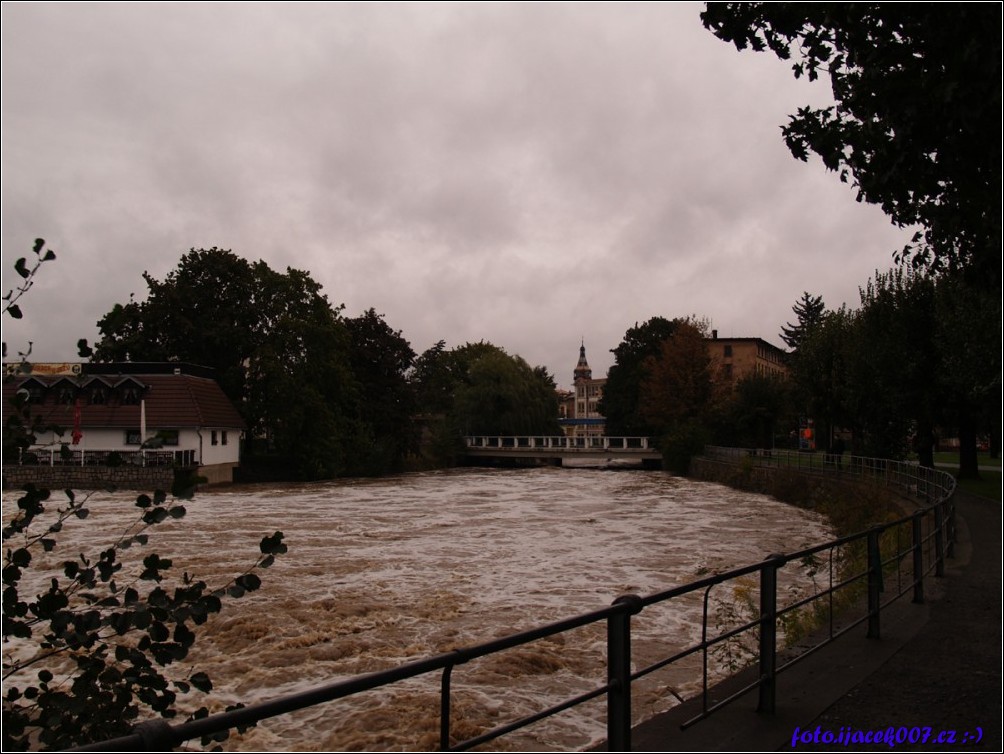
(917, 121)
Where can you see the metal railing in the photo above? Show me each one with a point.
(862, 564)
(925, 482)
(560, 442)
(55, 456)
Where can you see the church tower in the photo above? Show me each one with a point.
(584, 419)
(582, 370)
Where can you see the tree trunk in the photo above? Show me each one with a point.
(968, 463)
(924, 444)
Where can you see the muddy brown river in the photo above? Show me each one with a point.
(384, 571)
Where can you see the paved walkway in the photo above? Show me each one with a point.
(937, 666)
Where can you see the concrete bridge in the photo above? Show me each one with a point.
(566, 451)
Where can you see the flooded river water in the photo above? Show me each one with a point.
(384, 571)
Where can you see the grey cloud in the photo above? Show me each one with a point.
(527, 174)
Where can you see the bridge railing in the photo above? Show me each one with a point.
(561, 442)
(882, 564)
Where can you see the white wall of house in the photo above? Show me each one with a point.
(220, 446)
(198, 440)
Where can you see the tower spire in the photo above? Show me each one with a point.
(582, 370)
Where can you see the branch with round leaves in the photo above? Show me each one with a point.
(113, 637)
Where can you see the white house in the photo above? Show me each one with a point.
(138, 413)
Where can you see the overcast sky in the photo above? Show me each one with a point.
(527, 174)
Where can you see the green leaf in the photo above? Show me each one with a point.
(21, 266)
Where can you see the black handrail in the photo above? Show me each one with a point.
(158, 735)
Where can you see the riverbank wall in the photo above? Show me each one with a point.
(89, 477)
(851, 504)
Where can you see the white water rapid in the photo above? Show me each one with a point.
(388, 570)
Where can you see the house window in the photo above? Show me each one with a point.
(130, 396)
(728, 352)
(132, 437)
(66, 395)
(99, 396)
(168, 436)
(223, 437)
(212, 438)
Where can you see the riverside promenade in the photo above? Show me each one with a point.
(936, 667)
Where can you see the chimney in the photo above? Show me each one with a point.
(714, 334)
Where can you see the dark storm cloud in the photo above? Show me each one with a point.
(529, 174)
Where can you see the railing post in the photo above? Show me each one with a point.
(950, 522)
(768, 634)
(939, 541)
(619, 673)
(918, 557)
(875, 587)
(444, 708)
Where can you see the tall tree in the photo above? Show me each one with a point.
(620, 402)
(480, 389)
(820, 373)
(894, 366)
(968, 337)
(679, 390)
(680, 382)
(809, 311)
(380, 358)
(916, 125)
(325, 396)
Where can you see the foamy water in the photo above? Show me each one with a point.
(385, 571)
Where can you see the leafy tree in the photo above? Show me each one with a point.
(380, 359)
(752, 414)
(503, 395)
(967, 333)
(620, 402)
(679, 391)
(680, 382)
(916, 124)
(93, 645)
(894, 366)
(809, 311)
(478, 388)
(820, 373)
(321, 395)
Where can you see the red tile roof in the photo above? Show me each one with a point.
(173, 401)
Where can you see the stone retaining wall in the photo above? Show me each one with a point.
(89, 477)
